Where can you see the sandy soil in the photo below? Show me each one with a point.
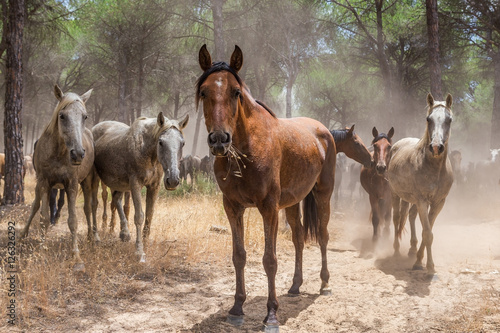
(371, 290)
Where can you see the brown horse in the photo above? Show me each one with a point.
(420, 173)
(349, 143)
(129, 158)
(64, 158)
(374, 181)
(269, 163)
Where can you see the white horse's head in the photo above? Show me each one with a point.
(439, 118)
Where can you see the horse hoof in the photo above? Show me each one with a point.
(271, 328)
(418, 267)
(235, 320)
(125, 237)
(326, 291)
(291, 294)
(79, 267)
(142, 257)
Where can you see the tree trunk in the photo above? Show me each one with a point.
(176, 104)
(495, 115)
(197, 132)
(383, 61)
(288, 102)
(220, 47)
(433, 46)
(13, 138)
(122, 84)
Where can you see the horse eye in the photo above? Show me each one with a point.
(160, 143)
(428, 119)
(202, 94)
(61, 116)
(237, 93)
(85, 117)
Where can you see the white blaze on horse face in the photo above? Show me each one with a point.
(439, 122)
(169, 152)
(219, 82)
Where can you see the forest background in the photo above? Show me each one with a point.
(341, 62)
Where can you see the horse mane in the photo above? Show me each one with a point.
(339, 135)
(67, 99)
(223, 66)
(380, 137)
(158, 130)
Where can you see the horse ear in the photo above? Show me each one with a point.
(58, 92)
(204, 58)
(85, 97)
(236, 59)
(184, 122)
(430, 99)
(449, 101)
(160, 119)
(350, 131)
(374, 132)
(391, 133)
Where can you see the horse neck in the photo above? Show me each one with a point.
(246, 124)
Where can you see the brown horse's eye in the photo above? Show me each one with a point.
(237, 93)
(202, 94)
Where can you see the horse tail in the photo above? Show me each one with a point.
(311, 221)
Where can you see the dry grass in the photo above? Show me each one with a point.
(182, 243)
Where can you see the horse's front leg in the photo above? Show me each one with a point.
(427, 237)
(435, 208)
(269, 211)
(412, 216)
(151, 196)
(89, 186)
(234, 212)
(138, 219)
(374, 203)
(35, 206)
(71, 192)
(293, 218)
(116, 202)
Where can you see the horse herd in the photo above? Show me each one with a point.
(259, 161)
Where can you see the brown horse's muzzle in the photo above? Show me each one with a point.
(219, 143)
(76, 156)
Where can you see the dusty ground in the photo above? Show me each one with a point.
(371, 290)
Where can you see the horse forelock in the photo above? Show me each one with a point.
(67, 99)
(380, 137)
(436, 105)
(223, 66)
(339, 135)
(167, 124)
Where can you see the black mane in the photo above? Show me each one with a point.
(223, 66)
(339, 135)
(381, 136)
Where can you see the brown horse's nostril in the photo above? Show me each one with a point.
(219, 137)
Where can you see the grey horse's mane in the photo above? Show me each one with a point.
(158, 130)
(67, 99)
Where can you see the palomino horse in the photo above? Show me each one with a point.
(375, 183)
(420, 173)
(64, 158)
(127, 158)
(349, 143)
(269, 163)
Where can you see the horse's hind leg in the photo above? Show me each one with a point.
(104, 197)
(399, 216)
(126, 204)
(293, 218)
(53, 205)
(124, 232)
(413, 240)
(60, 204)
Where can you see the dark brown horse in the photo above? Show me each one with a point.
(374, 181)
(269, 163)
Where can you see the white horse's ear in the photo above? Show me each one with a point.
(183, 122)
(204, 58)
(449, 101)
(391, 133)
(160, 119)
(430, 99)
(374, 132)
(58, 92)
(85, 97)
(236, 59)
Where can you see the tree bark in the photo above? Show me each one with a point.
(220, 45)
(13, 138)
(495, 114)
(433, 47)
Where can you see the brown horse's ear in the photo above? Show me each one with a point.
(184, 122)
(85, 97)
(449, 101)
(430, 99)
(236, 59)
(391, 133)
(374, 132)
(204, 58)
(160, 119)
(350, 132)
(58, 92)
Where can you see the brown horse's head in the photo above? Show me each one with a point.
(439, 117)
(68, 121)
(382, 144)
(220, 90)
